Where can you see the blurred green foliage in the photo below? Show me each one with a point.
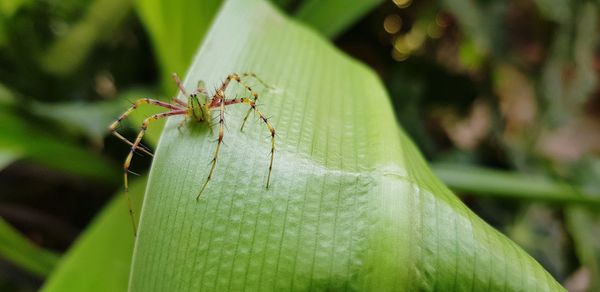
(23, 253)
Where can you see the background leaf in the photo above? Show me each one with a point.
(176, 28)
(91, 119)
(352, 205)
(100, 259)
(20, 251)
(332, 17)
(49, 150)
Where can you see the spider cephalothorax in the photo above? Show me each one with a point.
(198, 108)
(197, 103)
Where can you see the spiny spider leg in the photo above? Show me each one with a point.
(254, 96)
(179, 84)
(249, 74)
(136, 104)
(179, 102)
(262, 117)
(137, 141)
(238, 79)
(182, 89)
(219, 141)
(131, 143)
(113, 127)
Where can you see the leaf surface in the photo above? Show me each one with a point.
(352, 205)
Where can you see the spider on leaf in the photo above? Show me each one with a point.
(198, 108)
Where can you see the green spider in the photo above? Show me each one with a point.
(198, 108)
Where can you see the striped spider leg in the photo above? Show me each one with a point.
(254, 95)
(198, 108)
(219, 101)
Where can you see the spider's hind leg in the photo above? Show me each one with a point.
(219, 142)
(272, 131)
(265, 120)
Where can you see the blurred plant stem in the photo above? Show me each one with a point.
(487, 182)
(584, 227)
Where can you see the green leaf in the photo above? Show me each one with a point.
(85, 118)
(100, 258)
(20, 137)
(176, 28)
(91, 118)
(21, 252)
(332, 17)
(352, 203)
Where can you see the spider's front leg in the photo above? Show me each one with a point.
(134, 146)
(113, 127)
(221, 105)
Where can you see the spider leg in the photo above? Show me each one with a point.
(131, 143)
(179, 84)
(262, 117)
(249, 74)
(238, 79)
(135, 145)
(255, 96)
(179, 102)
(113, 127)
(136, 104)
(219, 141)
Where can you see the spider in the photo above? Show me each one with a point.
(198, 108)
